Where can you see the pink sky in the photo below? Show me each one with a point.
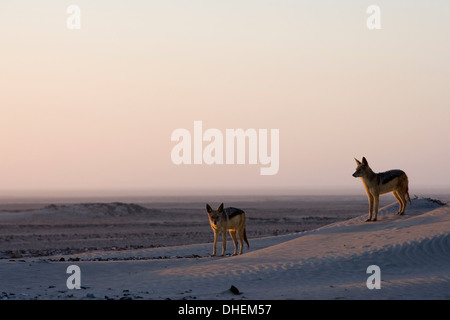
(95, 108)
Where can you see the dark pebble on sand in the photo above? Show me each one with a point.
(234, 290)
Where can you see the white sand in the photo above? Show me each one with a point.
(412, 251)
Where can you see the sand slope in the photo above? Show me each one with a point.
(412, 251)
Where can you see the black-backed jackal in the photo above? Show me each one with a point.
(394, 181)
(231, 219)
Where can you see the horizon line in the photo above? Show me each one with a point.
(194, 192)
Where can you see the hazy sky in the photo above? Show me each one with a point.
(95, 108)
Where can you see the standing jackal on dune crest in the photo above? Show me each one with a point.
(231, 219)
(395, 181)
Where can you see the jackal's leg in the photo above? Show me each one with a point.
(224, 242)
(233, 237)
(397, 196)
(403, 200)
(241, 239)
(370, 198)
(215, 243)
(375, 209)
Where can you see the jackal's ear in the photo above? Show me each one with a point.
(357, 162)
(220, 208)
(208, 208)
(364, 161)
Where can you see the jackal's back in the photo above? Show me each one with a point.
(232, 212)
(386, 177)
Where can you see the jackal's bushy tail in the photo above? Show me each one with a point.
(245, 239)
(407, 189)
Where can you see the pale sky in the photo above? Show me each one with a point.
(95, 108)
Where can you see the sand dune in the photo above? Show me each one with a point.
(412, 252)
